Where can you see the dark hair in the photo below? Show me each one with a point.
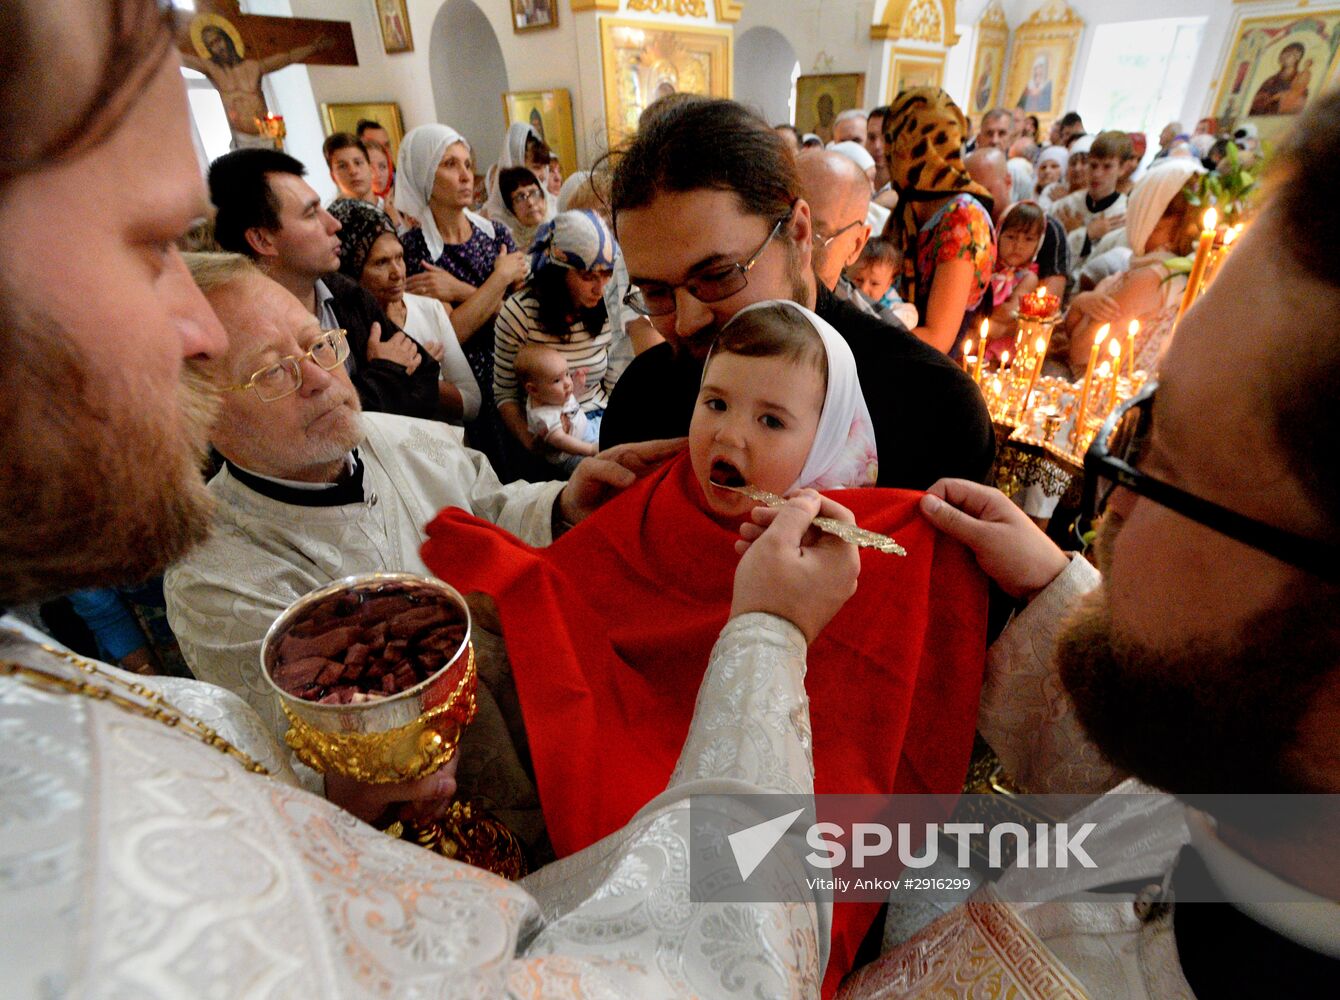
(883, 111)
(1306, 417)
(1112, 145)
(1294, 47)
(367, 123)
(1025, 215)
(537, 149)
(241, 192)
(1037, 126)
(342, 140)
(997, 113)
(142, 33)
(512, 180)
(1070, 119)
(550, 288)
(712, 144)
(775, 330)
(880, 250)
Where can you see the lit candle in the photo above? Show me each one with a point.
(1131, 331)
(1077, 430)
(967, 353)
(981, 354)
(1005, 361)
(1114, 349)
(1198, 266)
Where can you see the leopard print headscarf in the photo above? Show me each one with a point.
(923, 141)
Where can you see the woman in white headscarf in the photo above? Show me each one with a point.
(522, 147)
(1051, 169)
(457, 257)
(1160, 225)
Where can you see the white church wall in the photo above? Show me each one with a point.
(764, 60)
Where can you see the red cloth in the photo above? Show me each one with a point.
(610, 629)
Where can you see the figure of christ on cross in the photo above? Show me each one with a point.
(214, 44)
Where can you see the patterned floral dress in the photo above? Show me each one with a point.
(960, 230)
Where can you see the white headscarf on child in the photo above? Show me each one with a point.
(421, 153)
(843, 454)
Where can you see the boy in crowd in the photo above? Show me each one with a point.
(1091, 214)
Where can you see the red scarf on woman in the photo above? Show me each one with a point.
(609, 631)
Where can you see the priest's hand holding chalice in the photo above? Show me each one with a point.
(376, 676)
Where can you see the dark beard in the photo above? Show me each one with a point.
(1218, 716)
(94, 488)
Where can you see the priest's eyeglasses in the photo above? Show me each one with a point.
(284, 377)
(821, 242)
(713, 285)
(1111, 462)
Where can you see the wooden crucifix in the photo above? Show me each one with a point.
(234, 50)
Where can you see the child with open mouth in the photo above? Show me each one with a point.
(610, 628)
(780, 408)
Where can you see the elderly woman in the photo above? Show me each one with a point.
(562, 306)
(458, 257)
(523, 147)
(1160, 225)
(943, 222)
(521, 192)
(372, 254)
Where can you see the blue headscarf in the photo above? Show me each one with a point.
(578, 240)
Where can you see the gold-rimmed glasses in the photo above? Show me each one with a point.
(283, 377)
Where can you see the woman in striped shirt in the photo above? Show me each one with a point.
(561, 306)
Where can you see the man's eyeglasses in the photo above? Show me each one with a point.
(283, 377)
(821, 242)
(529, 194)
(1111, 462)
(709, 286)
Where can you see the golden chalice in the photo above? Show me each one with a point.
(376, 676)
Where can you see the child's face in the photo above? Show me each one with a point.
(551, 384)
(872, 277)
(754, 422)
(1077, 172)
(1017, 245)
(1049, 172)
(1103, 172)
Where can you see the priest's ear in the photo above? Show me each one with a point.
(262, 242)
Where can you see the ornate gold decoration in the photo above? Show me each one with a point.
(405, 753)
(202, 21)
(923, 22)
(849, 533)
(930, 21)
(684, 8)
(988, 60)
(470, 833)
(1049, 37)
(579, 6)
(643, 60)
(993, 16)
(154, 706)
(729, 11)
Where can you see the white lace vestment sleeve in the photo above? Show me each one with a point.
(622, 905)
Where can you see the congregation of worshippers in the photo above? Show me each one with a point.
(575, 398)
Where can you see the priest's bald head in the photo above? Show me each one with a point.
(98, 316)
(288, 409)
(838, 192)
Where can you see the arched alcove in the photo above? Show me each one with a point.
(469, 77)
(764, 66)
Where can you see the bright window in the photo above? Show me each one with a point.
(213, 137)
(1138, 73)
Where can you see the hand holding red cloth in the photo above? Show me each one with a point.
(609, 631)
